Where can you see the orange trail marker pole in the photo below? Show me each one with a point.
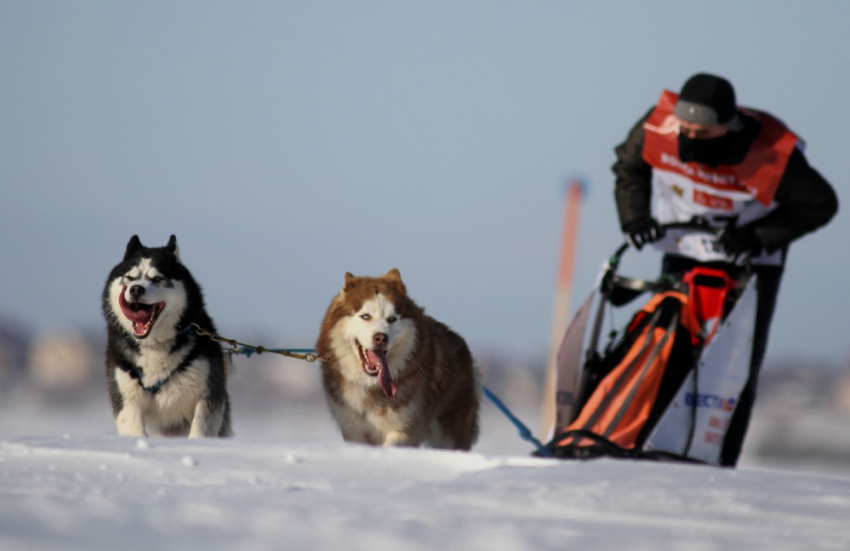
(569, 234)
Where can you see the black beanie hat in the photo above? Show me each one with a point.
(708, 99)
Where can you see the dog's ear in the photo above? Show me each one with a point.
(349, 281)
(394, 276)
(132, 247)
(172, 248)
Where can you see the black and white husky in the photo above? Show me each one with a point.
(162, 378)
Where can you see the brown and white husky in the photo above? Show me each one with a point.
(392, 375)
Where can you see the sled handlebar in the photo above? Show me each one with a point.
(698, 226)
(628, 288)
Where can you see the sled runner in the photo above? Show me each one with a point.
(666, 385)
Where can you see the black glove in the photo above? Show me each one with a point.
(736, 241)
(643, 230)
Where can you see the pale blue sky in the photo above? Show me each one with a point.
(286, 143)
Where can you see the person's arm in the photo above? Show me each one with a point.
(633, 187)
(805, 202)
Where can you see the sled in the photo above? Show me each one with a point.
(665, 386)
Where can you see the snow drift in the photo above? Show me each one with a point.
(93, 493)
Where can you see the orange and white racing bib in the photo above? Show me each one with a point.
(722, 196)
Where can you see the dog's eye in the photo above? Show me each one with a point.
(392, 319)
(158, 279)
(128, 277)
(366, 317)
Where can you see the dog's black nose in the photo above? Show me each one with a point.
(136, 291)
(380, 339)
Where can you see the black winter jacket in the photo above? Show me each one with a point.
(805, 199)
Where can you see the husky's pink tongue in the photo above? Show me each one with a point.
(135, 312)
(386, 382)
(378, 358)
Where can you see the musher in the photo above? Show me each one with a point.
(700, 156)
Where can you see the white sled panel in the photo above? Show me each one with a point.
(712, 389)
(568, 362)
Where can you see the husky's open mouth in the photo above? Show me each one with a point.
(375, 365)
(141, 315)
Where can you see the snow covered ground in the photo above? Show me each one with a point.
(288, 482)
